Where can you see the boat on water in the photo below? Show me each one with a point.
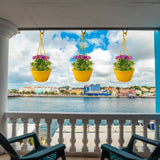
(131, 96)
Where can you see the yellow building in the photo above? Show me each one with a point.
(77, 91)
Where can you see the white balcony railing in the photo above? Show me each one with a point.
(97, 129)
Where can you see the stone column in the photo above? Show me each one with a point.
(7, 30)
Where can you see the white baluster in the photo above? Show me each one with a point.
(14, 130)
(97, 140)
(37, 121)
(145, 124)
(121, 135)
(25, 127)
(60, 139)
(48, 121)
(133, 126)
(85, 139)
(109, 136)
(73, 139)
(156, 132)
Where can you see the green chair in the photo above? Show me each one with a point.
(38, 153)
(127, 153)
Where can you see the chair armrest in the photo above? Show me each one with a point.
(143, 139)
(19, 138)
(44, 153)
(119, 152)
(28, 135)
(147, 140)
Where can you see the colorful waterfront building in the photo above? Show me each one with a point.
(91, 88)
(27, 89)
(126, 92)
(112, 90)
(153, 90)
(51, 89)
(95, 90)
(39, 90)
(77, 91)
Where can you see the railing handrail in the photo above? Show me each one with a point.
(82, 115)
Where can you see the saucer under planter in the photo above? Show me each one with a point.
(41, 76)
(123, 76)
(82, 76)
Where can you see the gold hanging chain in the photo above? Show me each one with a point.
(124, 46)
(41, 46)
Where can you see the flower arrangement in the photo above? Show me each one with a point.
(41, 63)
(82, 63)
(124, 63)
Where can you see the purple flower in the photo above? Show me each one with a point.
(87, 58)
(123, 57)
(116, 57)
(33, 57)
(41, 57)
(75, 57)
(82, 57)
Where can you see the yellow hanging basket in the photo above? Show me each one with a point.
(82, 76)
(41, 76)
(123, 76)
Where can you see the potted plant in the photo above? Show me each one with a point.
(123, 68)
(82, 68)
(41, 68)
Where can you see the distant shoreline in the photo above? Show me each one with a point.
(73, 96)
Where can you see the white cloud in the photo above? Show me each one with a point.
(96, 41)
(140, 44)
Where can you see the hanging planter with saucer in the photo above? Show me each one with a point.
(82, 67)
(41, 66)
(124, 65)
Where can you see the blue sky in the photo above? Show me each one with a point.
(62, 46)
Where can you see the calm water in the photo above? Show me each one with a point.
(59, 104)
(101, 105)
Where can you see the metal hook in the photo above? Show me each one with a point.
(84, 32)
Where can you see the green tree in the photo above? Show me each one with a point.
(66, 92)
(62, 91)
(51, 93)
(32, 92)
(46, 92)
(118, 88)
(14, 91)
